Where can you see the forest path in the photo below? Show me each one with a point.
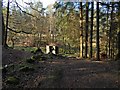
(63, 73)
(76, 74)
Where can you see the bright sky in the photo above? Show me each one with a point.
(45, 2)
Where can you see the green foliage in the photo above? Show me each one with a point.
(42, 23)
(38, 50)
(12, 80)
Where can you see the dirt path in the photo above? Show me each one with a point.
(76, 74)
(62, 73)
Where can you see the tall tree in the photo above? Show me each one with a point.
(86, 30)
(119, 34)
(81, 30)
(7, 17)
(97, 34)
(3, 25)
(107, 28)
(110, 31)
(91, 31)
(3, 30)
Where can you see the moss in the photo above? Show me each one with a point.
(12, 80)
(38, 58)
(38, 51)
(26, 69)
(31, 60)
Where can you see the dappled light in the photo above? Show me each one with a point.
(60, 44)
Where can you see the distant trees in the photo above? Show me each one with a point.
(67, 25)
(29, 21)
(77, 27)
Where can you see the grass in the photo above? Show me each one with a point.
(29, 49)
(12, 80)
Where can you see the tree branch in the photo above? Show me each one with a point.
(32, 7)
(19, 31)
(24, 11)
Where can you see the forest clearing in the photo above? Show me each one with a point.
(60, 45)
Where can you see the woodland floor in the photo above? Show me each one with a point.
(60, 73)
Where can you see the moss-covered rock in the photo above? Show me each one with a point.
(12, 80)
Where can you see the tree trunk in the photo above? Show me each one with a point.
(2, 25)
(110, 33)
(86, 31)
(91, 32)
(3, 30)
(81, 30)
(107, 29)
(97, 34)
(7, 17)
(118, 37)
(118, 46)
